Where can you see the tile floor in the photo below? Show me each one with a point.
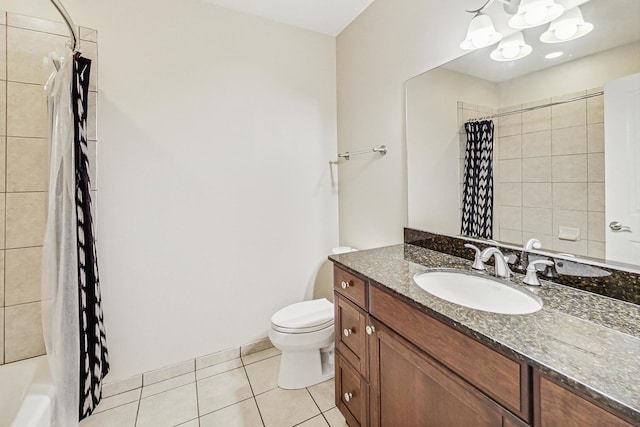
(238, 393)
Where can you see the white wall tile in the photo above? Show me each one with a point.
(595, 109)
(23, 332)
(25, 219)
(595, 138)
(536, 194)
(597, 249)
(596, 167)
(1, 335)
(510, 125)
(511, 236)
(510, 147)
(537, 220)
(510, 170)
(536, 120)
(575, 248)
(22, 275)
(509, 194)
(536, 144)
(572, 140)
(26, 110)
(3, 51)
(27, 164)
(511, 217)
(597, 231)
(3, 107)
(571, 168)
(3, 164)
(25, 52)
(596, 196)
(88, 34)
(121, 386)
(569, 114)
(37, 24)
(536, 169)
(571, 196)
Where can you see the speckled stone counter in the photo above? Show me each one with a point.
(589, 342)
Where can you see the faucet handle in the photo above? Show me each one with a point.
(532, 243)
(531, 278)
(477, 261)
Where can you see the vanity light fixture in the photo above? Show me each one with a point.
(511, 48)
(481, 33)
(569, 26)
(554, 55)
(532, 13)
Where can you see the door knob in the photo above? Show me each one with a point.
(347, 332)
(347, 397)
(344, 285)
(616, 226)
(370, 329)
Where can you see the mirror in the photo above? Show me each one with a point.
(549, 133)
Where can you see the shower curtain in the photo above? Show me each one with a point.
(477, 193)
(71, 308)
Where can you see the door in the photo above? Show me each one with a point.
(410, 389)
(622, 169)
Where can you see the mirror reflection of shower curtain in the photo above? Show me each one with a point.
(71, 303)
(477, 193)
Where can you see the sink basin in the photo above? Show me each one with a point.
(478, 292)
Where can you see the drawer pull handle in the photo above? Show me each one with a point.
(345, 285)
(347, 332)
(370, 329)
(348, 397)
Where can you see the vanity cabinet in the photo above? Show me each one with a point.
(396, 366)
(556, 406)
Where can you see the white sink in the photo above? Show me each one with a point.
(481, 293)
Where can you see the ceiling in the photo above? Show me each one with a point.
(615, 24)
(324, 16)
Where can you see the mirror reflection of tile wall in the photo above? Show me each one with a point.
(24, 170)
(549, 173)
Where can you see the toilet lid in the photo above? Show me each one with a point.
(302, 317)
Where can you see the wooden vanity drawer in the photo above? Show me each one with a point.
(350, 286)
(350, 335)
(499, 377)
(352, 394)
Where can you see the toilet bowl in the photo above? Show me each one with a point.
(303, 332)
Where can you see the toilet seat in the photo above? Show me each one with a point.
(304, 317)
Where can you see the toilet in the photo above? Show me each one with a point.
(303, 332)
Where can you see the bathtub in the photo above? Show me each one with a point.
(26, 392)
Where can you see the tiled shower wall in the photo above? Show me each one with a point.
(549, 173)
(24, 169)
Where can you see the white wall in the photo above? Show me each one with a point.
(387, 44)
(217, 203)
(433, 145)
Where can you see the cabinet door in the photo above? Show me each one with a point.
(558, 407)
(408, 388)
(352, 394)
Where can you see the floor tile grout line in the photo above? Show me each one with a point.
(138, 410)
(225, 407)
(253, 395)
(197, 396)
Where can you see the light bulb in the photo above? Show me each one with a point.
(535, 14)
(510, 51)
(566, 30)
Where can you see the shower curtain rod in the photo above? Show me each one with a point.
(537, 107)
(69, 22)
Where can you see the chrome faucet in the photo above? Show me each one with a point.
(477, 260)
(532, 277)
(524, 256)
(500, 264)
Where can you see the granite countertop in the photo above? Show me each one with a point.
(589, 342)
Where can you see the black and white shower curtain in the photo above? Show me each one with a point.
(72, 316)
(94, 359)
(477, 194)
